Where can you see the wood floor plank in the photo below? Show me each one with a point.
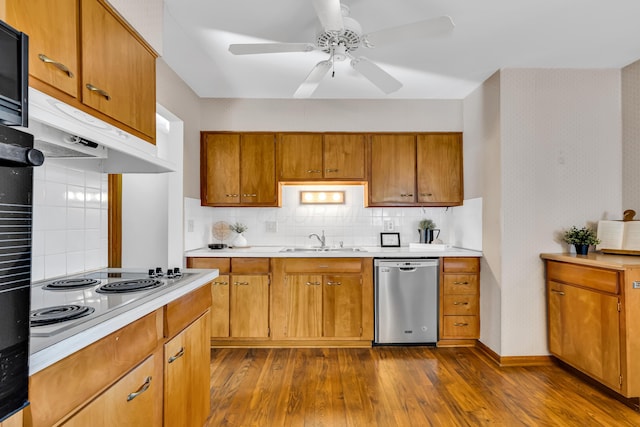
(399, 386)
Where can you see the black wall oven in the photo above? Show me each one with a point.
(17, 158)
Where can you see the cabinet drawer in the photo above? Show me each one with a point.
(461, 327)
(460, 284)
(323, 265)
(222, 264)
(588, 277)
(463, 305)
(249, 265)
(179, 313)
(58, 389)
(461, 265)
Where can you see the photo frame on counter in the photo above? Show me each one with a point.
(390, 240)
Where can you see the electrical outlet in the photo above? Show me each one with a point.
(271, 226)
(388, 225)
(190, 226)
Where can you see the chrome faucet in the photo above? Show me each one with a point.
(322, 239)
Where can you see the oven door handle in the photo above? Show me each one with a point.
(11, 155)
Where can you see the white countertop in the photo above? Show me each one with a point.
(86, 334)
(368, 252)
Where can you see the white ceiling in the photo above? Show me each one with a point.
(489, 35)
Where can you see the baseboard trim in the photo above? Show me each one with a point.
(510, 361)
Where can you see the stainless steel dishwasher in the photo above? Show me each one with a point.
(406, 301)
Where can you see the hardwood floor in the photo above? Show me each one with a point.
(399, 386)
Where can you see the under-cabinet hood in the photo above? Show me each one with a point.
(77, 139)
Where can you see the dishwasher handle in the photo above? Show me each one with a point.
(408, 269)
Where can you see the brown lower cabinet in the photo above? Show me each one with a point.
(291, 301)
(121, 379)
(593, 319)
(459, 301)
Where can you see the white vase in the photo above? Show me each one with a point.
(240, 241)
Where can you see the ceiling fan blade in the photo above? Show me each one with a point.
(415, 31)
(258, 48)
(330, 14)
(376, 75)
(313, 80)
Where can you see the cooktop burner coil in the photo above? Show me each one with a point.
(125, 286)
(59, 313)
(68, 284)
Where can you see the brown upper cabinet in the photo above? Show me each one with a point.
(238, 169)
(415, 169)
(316, 156)
(83, 53)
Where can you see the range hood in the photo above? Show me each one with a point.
(74, 138)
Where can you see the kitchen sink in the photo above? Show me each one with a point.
(323, 250)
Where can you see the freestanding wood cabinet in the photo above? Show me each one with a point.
(238, 169)
(593, 318)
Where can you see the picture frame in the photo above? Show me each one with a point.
(390, 240)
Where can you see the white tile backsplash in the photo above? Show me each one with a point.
(351, 223)
(70, 221)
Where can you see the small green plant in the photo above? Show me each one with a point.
(427, 224)
(580, 236)
(238, 227)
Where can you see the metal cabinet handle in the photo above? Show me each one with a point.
(406, 194)
(331, 170)
(460, 324)
(144, 387)
(59, 65)
(314, 171)
(241, 283)
(313, 283)
(250, 195)
(99, 91)
(176, 356)
(231, 195)
(426, 194)
(330, 283)
(557, 292)
(460, 303)
(460, 283)
(221, 283)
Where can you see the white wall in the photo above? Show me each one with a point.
(631, 137)
(351, 223)
(70, 221)
(556, 163)
(483, 177)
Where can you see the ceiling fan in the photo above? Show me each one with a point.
(340, 36)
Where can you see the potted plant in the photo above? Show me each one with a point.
(240, 241)
(426, 229)
(581, 238)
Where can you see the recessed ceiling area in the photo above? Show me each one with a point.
(488, 35)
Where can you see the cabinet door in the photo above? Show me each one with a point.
(219, 314)
(186, 376)
(342, 306)
(344, 156)
(392, 169)
(220, 169)
(439, 169)
(53, 39)
(258, 169)
(303, 305)
(584, 331)
(118, 71)
(132, 401)
(249, 306)
(300, 156)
